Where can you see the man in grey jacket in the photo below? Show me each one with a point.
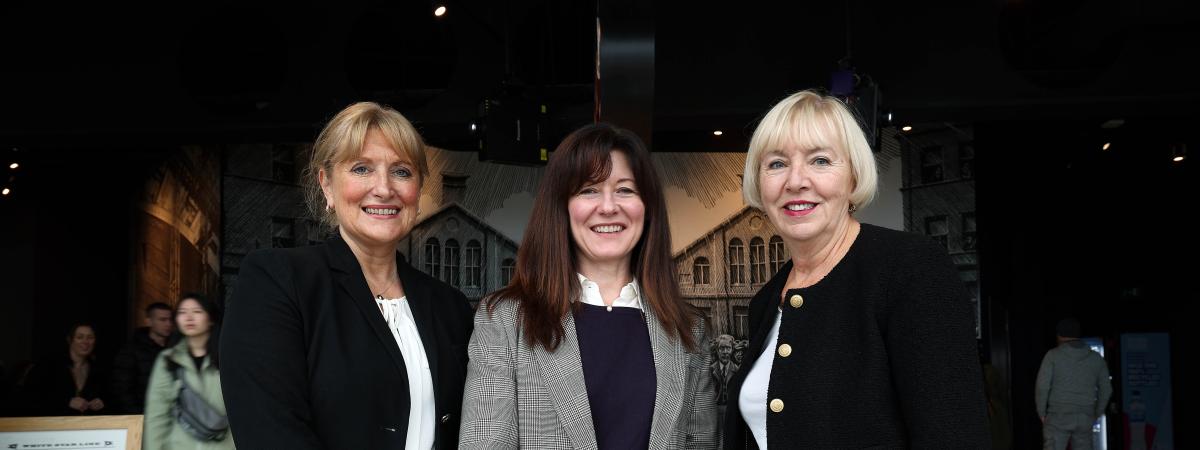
(1073, 388)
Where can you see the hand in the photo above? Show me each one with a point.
(96, 404)
(1043, 420)
(78, 404)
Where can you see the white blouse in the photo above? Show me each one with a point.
(628, 298)
(421, 409)
(752, 401)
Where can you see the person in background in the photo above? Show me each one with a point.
(192, 361)
(74, 385)
(131, 367)
(1073, 388)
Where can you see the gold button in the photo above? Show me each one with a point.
(785, 350)
(797, 301)
(777, 405)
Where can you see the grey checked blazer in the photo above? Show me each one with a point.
(527, 397)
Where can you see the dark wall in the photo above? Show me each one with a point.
(1068, 229)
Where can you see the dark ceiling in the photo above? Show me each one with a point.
(239, 72)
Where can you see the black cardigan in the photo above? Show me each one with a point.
(308, 361)
(883, 354)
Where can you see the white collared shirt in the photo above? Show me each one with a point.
(630, 296)
(421, 411)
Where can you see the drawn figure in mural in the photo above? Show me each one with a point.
(844, 351)
(723, 367)
(192, 362)
(739, 352)
(591, 335)
(70, 384)
(344, 344)
(1072, 391)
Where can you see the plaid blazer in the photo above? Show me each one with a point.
(517, 396)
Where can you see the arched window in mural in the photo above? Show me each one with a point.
(700, 271)
(474, 264)
(737, 261)
(450, 271)
(758, 261)
(506, 270)
(433, 257)
(778, 255)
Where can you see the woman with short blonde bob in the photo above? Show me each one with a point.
(343, 344)
(864, 338)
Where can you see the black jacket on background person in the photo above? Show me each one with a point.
(308, 361)
(882, 354)
(51, 387)
(131, 372)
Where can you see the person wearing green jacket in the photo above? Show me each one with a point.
(198, 321)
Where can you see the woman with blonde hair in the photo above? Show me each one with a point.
(344, 344)
(865, 337)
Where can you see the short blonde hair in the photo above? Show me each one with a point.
(811, 120)
(342, 139)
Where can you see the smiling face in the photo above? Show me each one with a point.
(607, 218)
(805, 191)
(83, 341)
(374, 195)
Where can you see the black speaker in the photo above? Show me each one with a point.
(512, 129)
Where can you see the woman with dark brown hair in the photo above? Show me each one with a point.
(590, 345)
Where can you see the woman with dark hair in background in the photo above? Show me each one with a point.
(191, 363)
(590, 345)
(73, 385)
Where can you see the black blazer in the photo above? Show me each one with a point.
(882, 354)
(52, 387)
(308, 361)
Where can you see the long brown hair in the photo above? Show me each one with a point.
(545, 280)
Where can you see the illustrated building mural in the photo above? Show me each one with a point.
(177, 230)
(939, 198)
(455, 246)
(722, 270)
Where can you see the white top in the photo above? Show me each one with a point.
(629, 297)
(752, 401)
(421, 408)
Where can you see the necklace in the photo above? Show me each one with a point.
(390, 284)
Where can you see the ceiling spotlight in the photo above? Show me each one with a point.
(1178, 152)
(439, 11)
(718, 133)
(473, 128)
(1106, 146)
(5, 191)
(906, 128)
(1176, 159)
(14, 166)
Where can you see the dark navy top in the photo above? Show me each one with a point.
(618, 368)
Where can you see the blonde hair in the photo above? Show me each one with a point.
(342, 139)
(811, 120)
